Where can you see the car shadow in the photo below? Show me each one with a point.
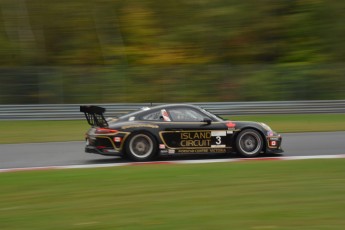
(177, 157)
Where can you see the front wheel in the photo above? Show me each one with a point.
(249, 143)
(141, 147)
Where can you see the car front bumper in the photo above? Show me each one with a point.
(102, 151)
(274, 144)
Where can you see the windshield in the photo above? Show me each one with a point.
(212, 115)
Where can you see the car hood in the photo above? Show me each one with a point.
(258, 125)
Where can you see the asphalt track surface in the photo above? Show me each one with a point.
(72, 153)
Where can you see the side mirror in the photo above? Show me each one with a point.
(207, 120)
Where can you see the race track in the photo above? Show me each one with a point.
(71, 153)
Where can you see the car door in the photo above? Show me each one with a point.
(188, 130)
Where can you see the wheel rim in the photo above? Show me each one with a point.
(141, 146)
(250, 143)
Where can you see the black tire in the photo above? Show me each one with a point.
(249, 143)
(141, 147)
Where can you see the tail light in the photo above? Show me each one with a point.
(105, 131)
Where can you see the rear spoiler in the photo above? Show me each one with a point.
(94, 115)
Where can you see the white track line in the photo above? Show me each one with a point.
(172, 162)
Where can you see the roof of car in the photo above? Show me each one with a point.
(173, 105)
(158, 107)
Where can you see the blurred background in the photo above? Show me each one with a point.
(111, 51)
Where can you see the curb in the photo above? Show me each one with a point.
(171, 162)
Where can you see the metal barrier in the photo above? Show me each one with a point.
(71, 111)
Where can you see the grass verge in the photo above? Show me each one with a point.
(46, 131)
(308, 194)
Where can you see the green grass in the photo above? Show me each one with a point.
(45, 131)
(308, 194)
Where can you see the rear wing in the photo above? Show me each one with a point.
(94, 115)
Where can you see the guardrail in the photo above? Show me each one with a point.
(71, 111)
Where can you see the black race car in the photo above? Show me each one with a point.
(175, 129)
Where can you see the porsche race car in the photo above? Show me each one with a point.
(175, 129)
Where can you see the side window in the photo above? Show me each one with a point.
(161, 115)
(185, 115)
(156, 116)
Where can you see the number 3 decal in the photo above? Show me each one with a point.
(219, 140)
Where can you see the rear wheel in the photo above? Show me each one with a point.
(249, 143)
(141, 147)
